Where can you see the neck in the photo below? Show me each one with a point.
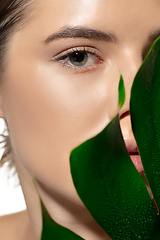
(62, 210)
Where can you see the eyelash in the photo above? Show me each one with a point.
(64, 57)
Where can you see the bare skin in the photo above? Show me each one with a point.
(51, 106)
(16, 226)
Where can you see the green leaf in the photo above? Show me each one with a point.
(110, 186)
(145, 116)
(121, 92)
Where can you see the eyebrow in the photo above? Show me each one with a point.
(81, 32)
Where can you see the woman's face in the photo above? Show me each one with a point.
(61, 83)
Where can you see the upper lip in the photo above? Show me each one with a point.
(125, 114)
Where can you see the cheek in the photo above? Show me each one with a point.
(49, 113)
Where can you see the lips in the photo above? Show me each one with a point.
(134, 154)
(131, 146)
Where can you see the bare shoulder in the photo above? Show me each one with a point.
(12, 225)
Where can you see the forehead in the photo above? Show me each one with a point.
(111, 15)
(132, 21)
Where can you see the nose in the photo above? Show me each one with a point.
(129, 65)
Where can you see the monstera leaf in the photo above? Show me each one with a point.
(104, 176)
(145, 115)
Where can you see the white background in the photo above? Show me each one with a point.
(11, 197)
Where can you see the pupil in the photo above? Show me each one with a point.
(78, 57)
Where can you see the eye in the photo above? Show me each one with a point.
(79, 59)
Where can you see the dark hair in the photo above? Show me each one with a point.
(12, 17)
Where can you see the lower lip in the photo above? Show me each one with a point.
(137, 163)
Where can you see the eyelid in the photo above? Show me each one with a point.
(65, 54)
(78, 48)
